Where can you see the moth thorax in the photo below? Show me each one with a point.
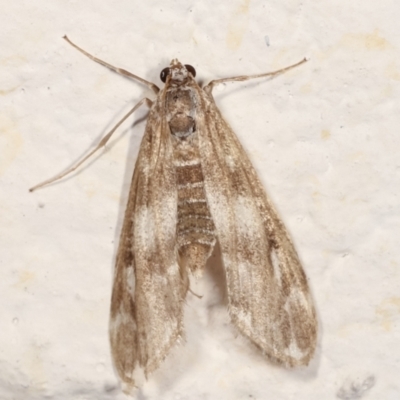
(180, 111)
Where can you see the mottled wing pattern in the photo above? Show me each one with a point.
(149, 287)
(269, 299)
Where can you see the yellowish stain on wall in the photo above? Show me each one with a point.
(25, 278)
(13, 61)
(358, 156)
(387, 312)
(33, 366)
(350, 329)
(10, 142)
(372, 41)
(8, 91)
(369, 41)
(307, 88)
(392, 72)
(237, 25)
(325, 134)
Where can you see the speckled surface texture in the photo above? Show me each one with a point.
(324, 139)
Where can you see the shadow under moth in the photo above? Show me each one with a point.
(193, 186)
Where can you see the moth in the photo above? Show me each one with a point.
(193, 186)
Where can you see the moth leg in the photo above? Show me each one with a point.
(195, 294)
(209, 87)
(100, 145)
(120, 71)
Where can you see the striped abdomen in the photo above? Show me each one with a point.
(195, 227)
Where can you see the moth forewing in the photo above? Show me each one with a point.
(148, 318)
(193, 185)
(268, 295)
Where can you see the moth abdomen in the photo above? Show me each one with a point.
(195, 227)
(180, 111)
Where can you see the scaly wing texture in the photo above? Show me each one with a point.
(149, 287)
(269, 298)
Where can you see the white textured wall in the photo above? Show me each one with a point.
(325, 139)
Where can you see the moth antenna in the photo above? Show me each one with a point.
(209, 87)
(120, 71)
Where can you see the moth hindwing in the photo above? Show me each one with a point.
(193, 186)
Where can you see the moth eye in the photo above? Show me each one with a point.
(191, 70)
(164, 73)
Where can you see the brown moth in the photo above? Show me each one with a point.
(194, 185)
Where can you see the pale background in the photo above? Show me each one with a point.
(324, 139)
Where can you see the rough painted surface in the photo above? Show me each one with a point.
(323, 138)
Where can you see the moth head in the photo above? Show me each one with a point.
(178, 72)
